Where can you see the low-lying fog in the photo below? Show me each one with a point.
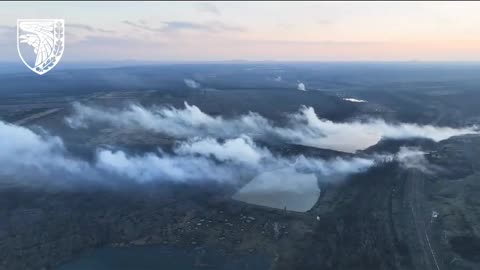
(303, 127)
(209, 148)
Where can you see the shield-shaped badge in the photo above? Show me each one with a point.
(40, 43)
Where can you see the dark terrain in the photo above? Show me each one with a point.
(379, 219)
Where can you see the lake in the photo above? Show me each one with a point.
(282, 189)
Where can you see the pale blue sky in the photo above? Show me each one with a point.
(317, 31)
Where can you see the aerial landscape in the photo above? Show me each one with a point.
(274, 163)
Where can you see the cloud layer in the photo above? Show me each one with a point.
(354, 100)
(301, 87)
(230, 161)
(28, 157)
(303, 127)
(178, 26)
(191, 83)
(414, 159)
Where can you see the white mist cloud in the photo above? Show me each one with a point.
(183, 123)
(337, 166)
(242, 150)
(301, 87)
(355, 100)
(413, 158)
(27, 156)
(357, 135)
(303, 127)
(163, 167)
(191, 83)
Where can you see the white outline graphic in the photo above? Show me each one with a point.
(47, 37)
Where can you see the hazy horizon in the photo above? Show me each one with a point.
(255, 31)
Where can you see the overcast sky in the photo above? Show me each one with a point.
(191, 31)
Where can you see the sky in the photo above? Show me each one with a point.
(288, 31)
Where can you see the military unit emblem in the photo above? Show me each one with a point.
(40, 43)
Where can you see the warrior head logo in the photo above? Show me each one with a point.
(40, 43)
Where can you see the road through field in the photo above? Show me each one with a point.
(415, 196)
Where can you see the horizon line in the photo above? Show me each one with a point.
(253, 61)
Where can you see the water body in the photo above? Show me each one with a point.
(283, 188)
(154, 257)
